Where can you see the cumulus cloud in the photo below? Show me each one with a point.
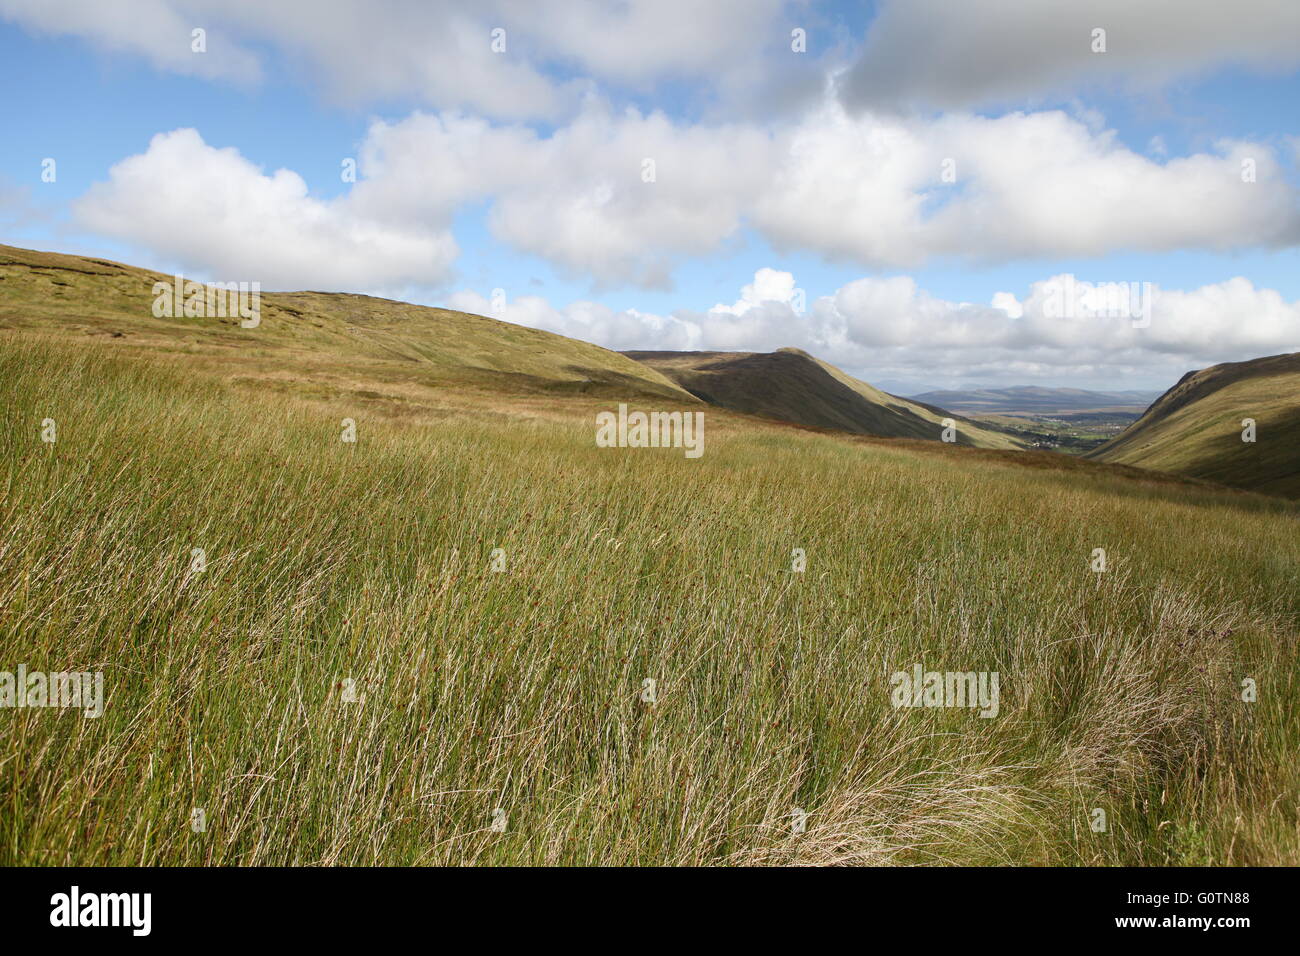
(439, 52)
(588, 321)
(888, 328)
(214, 212)
(621, 197)
(939, 54)
(896, 192)
(916, 52)
(160, 31)
(1008, 303)
(640, 41)
(616, 196)
(769, 286)
(876, 191)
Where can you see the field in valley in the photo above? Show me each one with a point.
(1070, 433)
(351, 680)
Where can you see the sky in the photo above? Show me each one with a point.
(927, 194)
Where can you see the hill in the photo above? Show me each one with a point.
(381, 351)
(1036, 400)
(792, 386)
(1195, 428)
(333, 342)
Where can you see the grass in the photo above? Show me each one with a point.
(522, 690)
(1196, 428)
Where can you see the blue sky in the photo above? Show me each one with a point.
(1153, 127)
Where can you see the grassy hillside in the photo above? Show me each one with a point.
(335, 344)
(792, 386)
(334, 567)
(1196, 427)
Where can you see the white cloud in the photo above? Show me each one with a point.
(588, 321)
(769, 285)
(622, 197)
(639, 41)
(887, 328)
(438, 52)
(936, 53)
(865, 189)
(871, 190)
(214, 212)
(1008, 303)
(158, 30)
(578, 198)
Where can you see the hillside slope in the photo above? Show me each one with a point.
(791, 385)
(1195, 428)
(339, 340)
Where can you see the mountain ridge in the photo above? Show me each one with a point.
(343, 343)
(1197, 428)
(790, 385)
(1036, 399)
(336, 332)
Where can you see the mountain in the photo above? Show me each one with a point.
(338, 340)
(1033, 399)
(1196, 428)
(792, 386)
(382, 352)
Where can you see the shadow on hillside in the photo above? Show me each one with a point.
(605, 383)
(1270, 464)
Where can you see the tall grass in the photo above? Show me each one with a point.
(522, 690)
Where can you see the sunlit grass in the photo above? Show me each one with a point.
(522, 690)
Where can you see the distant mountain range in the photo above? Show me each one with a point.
(1034, 399)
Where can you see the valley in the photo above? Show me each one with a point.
(425, 637)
